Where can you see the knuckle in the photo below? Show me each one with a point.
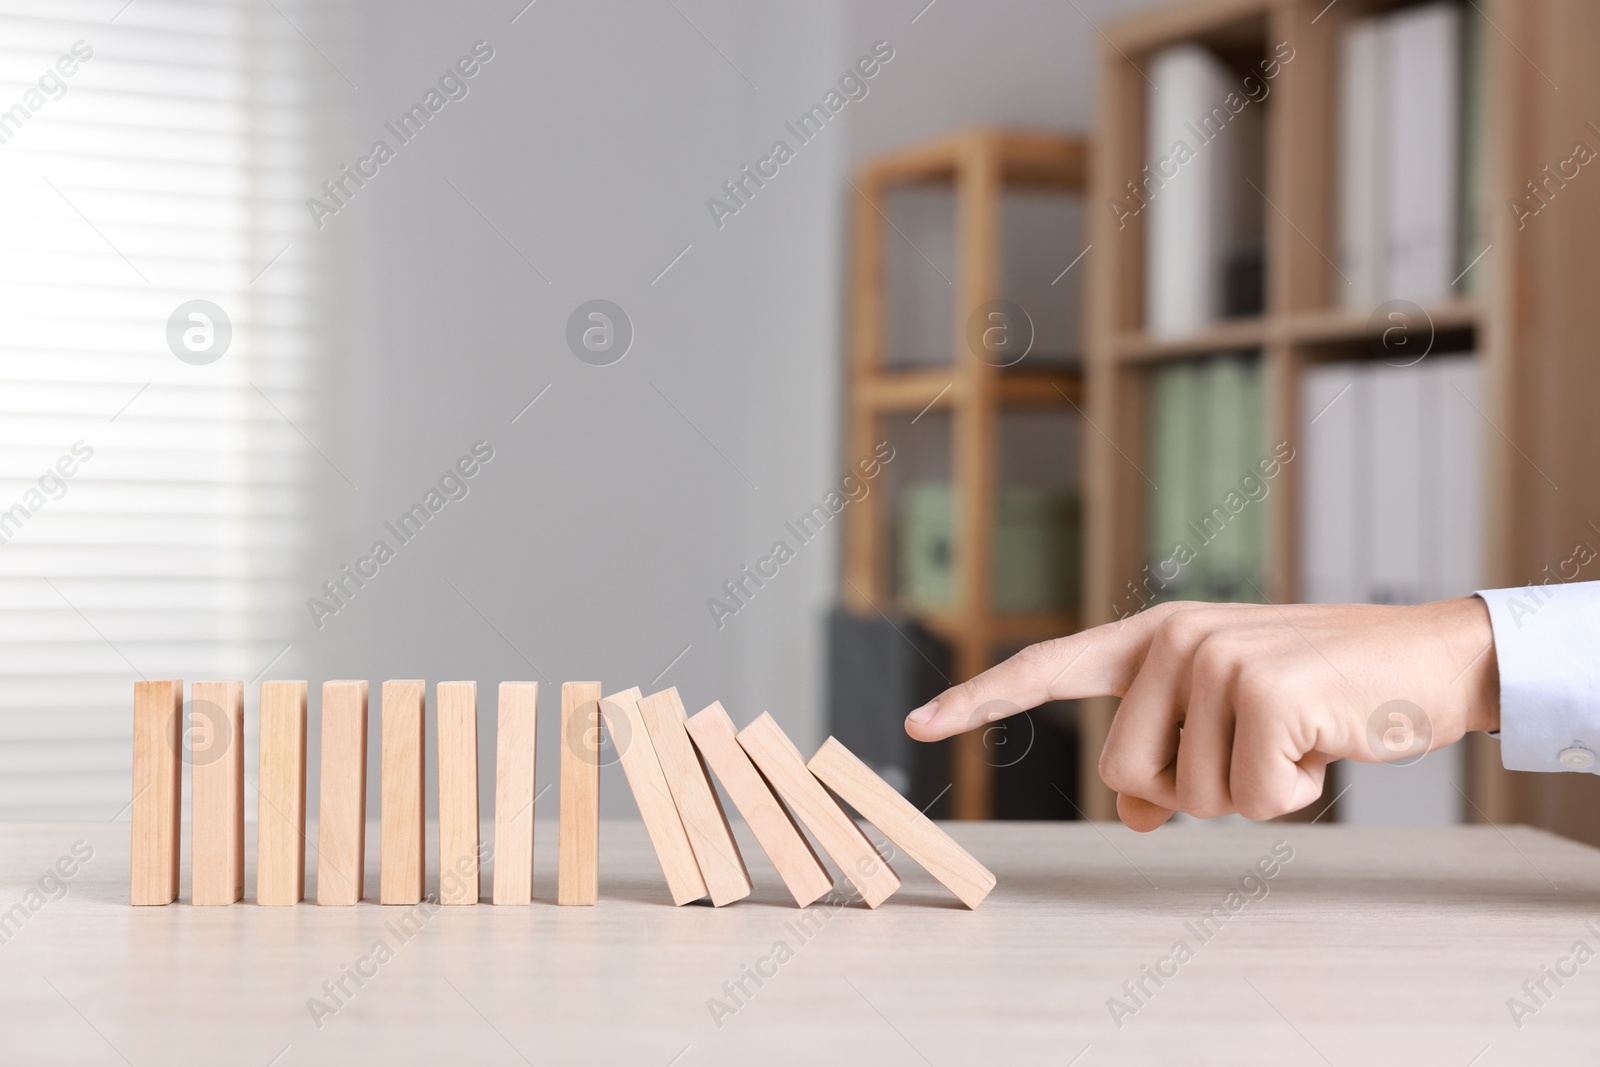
(1117, 774)
(1201, 800)
(1259, 803)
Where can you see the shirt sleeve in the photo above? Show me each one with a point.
(1547, 642)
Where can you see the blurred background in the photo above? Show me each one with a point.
(806, 357)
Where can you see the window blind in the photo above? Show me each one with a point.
(167, 166)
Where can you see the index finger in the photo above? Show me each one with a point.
(1100, 661)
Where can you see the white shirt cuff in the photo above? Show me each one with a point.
(1547, 642)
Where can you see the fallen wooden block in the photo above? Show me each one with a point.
(785, 769)
(342, 794)
(281, 813)
(578, 844)
(711, 839)
(402, 832)
(157, 789)
(513, 792)
(631, 738)
(774, 828)
(899, 820)
(216, 789)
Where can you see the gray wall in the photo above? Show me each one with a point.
(622, 500)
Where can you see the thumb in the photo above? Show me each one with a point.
(1096, 662)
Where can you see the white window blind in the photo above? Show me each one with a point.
(168, 166)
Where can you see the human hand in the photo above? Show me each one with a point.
(1240, 707)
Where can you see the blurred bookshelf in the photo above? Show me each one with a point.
(1341, 92)
(959, 594)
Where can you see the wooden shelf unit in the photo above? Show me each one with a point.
(980, 165)
(1534, 325)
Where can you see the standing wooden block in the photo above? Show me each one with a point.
(216, 791)
(783, 766)
(401, 867)
(157, 786)
(342, 798)
(459, 881)
(653, 796)
(911, 831)
(281, 814)
(720, 863)
(774, 828)
(578, 843)
(513, 792)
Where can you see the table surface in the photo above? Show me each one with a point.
(1369, 945)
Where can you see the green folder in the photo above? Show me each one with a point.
(1038, 548)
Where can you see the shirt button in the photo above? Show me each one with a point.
(1577, 759)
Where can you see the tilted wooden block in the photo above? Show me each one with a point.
(157, 787)
(514, 792)
(216, 790)
(459, 881)
(721, 865)
(774, 828)
(281, 813)
(785, 769)
(651, 793)
(401, 867)
(342, 794)
(899, 820)
(578, 844)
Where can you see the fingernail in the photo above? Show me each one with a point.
(923, 715)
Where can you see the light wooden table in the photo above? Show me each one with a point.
(1370, 946)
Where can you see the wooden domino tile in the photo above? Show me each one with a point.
(651, 793)
(785, 769)
(578, 843)
(342, 794)
(457, 712)
(899, 820)
(710, 837)
(281, 813)
(774, 828)
(216, 790)
(157, 787)
(513, 792)
(401, 828)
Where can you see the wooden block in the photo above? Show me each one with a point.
(457, 711)
(578, 839)
(899, 820)
(216, 792)
(653, 796)
(157, 787)
(514, 792)
(785, 770)
(774, 828)
(720, 863)
(342, 796)
(401, 830)
(281, 813)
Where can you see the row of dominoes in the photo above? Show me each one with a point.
(667, 757)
